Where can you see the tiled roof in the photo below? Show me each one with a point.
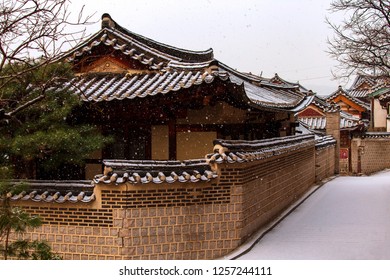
(319, 123)
(172, 69)
(376, 135)
(107, 87)
(270, 93)
(325, 141)
(321, 139)
(383, 93)
(374, 82)
(54, 191)
(384, 97)
(231, 151)
(149, 171)
(103, 87)
(359, 93)
(149, 52)
(321, 103)
(316, 123)
(347, 94)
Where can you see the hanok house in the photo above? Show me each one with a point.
(380, 102)
(314, 119)
(372, 90)
(165, 103)
(350, 104)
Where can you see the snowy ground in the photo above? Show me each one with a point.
(346, 219)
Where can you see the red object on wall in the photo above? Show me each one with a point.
(344, 153)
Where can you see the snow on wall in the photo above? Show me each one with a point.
(232, 151)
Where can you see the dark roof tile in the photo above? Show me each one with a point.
(98, 87)
(231, 151)
(157, 172)
(54, 191)
(347, 121)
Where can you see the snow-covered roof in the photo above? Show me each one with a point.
(99, 87)
(366, 84)
(323, 104)
(347, 94)
(347, 121)
(325, 141)
(168, 69)
(231, 151)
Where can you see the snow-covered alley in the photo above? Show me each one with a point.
(347, 218)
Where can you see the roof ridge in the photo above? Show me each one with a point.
(185, 54)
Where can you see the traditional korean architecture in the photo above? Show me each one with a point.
(380, 100)
(165, 103)
(350, 104)
(372, 90)
(315, 119)
(203, 156)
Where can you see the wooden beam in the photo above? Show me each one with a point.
(172, 139)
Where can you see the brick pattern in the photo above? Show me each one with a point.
(165, 197)
(325, 163)
(344, 166)
(189, 232)
(370, 155)
(81, 242)
(57, 215)
(271, 186)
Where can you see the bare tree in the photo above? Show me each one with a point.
(361, 43)
(33, 34)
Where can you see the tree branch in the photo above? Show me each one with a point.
(24, 106)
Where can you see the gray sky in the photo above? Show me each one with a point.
(287, 37)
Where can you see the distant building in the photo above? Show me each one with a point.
(315, 119)
(364, 107)
(373, 90)
(350, 104)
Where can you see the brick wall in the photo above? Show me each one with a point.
(266, 188)
(324, 162)
(370, 153)
(181, 221)
(165, 221)
(203, 220)
(76, 230)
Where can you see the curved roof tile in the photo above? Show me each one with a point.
(325, 141)
(376, 135)
(350, 95)
(374, 83)
(347, 121)
(54, 191)
(232, 151)
(104, 87)
(150, 171)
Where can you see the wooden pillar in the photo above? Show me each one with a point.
(372, 120)
(172, 139)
